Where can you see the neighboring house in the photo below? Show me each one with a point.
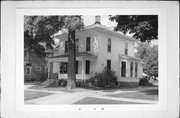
(97, 47)
(35, 68)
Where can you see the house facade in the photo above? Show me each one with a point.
(35, 68)
(97, 47)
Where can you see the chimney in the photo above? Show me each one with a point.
(98, 19)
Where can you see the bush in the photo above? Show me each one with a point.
(54, 80)
(104, 79)
(62, 82)
(144, 81)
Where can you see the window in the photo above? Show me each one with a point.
(136, 69)
(25, 53)
(63, 67)
(66, 46)
(108, 64)
(46, 70)
(77, 45)
(88, 41)
(123, 69)
(131, 69)
(38, 69)
(76, 67)
(87, 67)
(28, 70)
(109, 45)
(126, 49)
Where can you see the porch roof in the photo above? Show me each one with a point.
(79, 56)
(130, 58)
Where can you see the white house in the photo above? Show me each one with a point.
(98, 46)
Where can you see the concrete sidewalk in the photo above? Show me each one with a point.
(70, 98)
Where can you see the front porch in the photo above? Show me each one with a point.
(59, 65)
(131, 69)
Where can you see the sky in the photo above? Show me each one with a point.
(90, 19)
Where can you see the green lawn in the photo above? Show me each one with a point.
(148, 95)
(34, 94)
(91, 100)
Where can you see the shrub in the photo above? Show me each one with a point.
(62, 82)
(54, 80)
(104, 79)
(79, 82)
(144, 81)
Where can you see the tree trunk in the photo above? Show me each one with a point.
(71, 83)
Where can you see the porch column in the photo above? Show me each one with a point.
(48, 64)
(120, 68)
(133, 69)
(127, 69)
(83, 69)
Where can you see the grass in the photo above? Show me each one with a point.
(140, 88)
(91, 100)
(148, 95)
(59, 88)
(28, 95)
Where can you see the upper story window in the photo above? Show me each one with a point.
(109, 45)
(126, 49)
(77, 45)
(38, 69)
(88, 41)
(66, 46)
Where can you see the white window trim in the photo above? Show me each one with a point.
(29, 70)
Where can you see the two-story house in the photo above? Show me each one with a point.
(98, 46)
(35, 68)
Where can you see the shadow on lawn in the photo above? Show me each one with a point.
(151, 92)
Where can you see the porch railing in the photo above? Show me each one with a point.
(78, 76)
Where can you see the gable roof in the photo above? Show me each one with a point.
(103, 28)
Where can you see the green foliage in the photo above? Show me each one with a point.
(143, 27)
(103, 79)
(150, 56)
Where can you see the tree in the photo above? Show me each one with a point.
(39, 32)
(143, 27)
(72, 23)
(149, 55)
